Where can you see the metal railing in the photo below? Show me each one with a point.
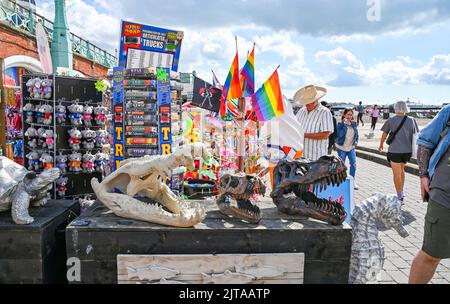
(19, 17)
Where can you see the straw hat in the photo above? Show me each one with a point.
(309, 94)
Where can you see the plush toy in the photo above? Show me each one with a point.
(32, 135)
(28, 109)
(40, 136)
(33, 161)
(39, 114)
(49, 139)
(87, 115)
(46, 88)
(61, 186)
(88, 162)
(75, 162)
(101, 138)
(30, 86)
(61, 163)
(101, 159)
(88, 139)
(34, 88)
(75, 114)
(47, 161)
(60, 113)
(75, 139)
(85, 203)
(100, 115)
(47, 111)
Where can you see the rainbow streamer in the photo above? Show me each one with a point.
(268, 101)
(248, 75)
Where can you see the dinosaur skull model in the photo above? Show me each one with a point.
(367, 257)
(236, 192)
(294, 180)
(19, 187)
(145, 177)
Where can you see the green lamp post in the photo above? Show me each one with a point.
(61, 48)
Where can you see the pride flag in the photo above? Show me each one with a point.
(232, 88)
(248, 75)
(268, 101)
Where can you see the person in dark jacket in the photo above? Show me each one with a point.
(347, 140)
(333, 137)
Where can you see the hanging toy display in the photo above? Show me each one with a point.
(87, 115)
(32, 135)
(28, 109)
(61, 188)
(75, 115)
(100, 115)
(75, 162)
(33, 161)
(61, 163)
(49, 139)
(88, 162)
(75, 139)
(88, 139)
(47, 161)
(61, 114)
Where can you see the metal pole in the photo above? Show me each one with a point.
(241, 134)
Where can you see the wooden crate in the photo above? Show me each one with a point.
(36, 253)
(98, 236)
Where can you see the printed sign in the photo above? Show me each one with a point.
(118, 101)
(144, 46)
(165, 113)
(344, 194)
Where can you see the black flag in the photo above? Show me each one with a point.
(206, 96)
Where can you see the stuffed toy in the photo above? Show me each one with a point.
(61, 163)
(33, 161)
(101, 159)
(88, 139)
(101, 138)
(87, 115)
(75, 162)
(47, 111)
(49, 139)
(47, 161)
(32, 135)
(39, 114)
(46, 88)
(85, 203)
(28, 109)
(40, 136)
(61, 186)
(88, 162)
(60, 113)
(100, 115)
(75, 114)
(75, 139)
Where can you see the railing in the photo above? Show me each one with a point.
(19, 17)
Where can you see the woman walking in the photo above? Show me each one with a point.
(374, 114)
(398, 132)
(347, 132)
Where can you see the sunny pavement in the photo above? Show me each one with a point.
(372, 177)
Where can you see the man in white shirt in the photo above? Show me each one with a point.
(316, 120)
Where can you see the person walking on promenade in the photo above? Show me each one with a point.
(316, 120)
(347, 132)
(433, 157)
(398, 132)
(374, 114)
(333, 137)
(361, 111)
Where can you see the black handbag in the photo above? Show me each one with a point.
(392, 135)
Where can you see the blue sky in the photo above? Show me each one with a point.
(404, 53)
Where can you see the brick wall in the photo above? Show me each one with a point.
(17, 43)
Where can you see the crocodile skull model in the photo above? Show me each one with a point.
(294, 184)
(19, 187)
(145, 177)
(367, 249)
(236, 192)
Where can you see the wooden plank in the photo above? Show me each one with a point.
(236, 268)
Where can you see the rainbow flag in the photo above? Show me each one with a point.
(268, 101)
(232, 88)
(248, 75)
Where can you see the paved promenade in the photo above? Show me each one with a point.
(400, 252)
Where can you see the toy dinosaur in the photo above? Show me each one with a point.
(146, 177)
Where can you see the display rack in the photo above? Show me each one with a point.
(65, 91)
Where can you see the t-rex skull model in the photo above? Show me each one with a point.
(19, 187)
(145, 177)
(236, 192)
(367, 257)
(294, 184)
